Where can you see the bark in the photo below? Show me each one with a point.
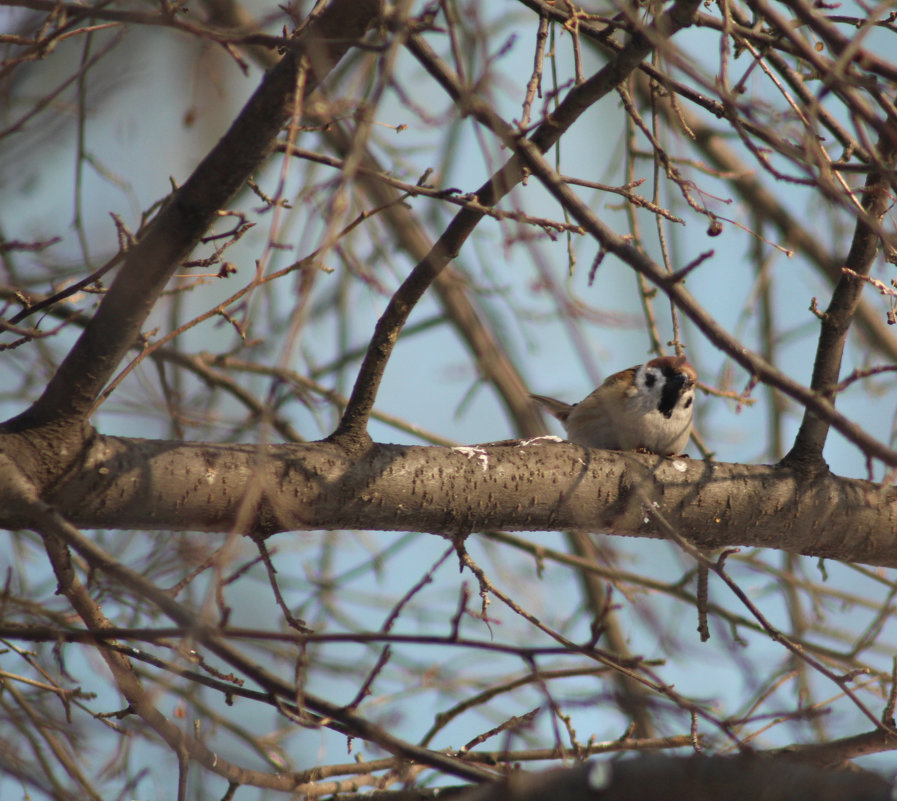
(148, 265)
(125, 483)
(697, 778)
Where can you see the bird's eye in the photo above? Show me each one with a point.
(650, 378)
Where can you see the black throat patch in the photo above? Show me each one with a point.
(672, 389)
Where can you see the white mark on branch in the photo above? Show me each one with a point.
(474, 453)
(543, 438)
(647, 517)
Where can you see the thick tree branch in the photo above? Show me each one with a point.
(836, 322)
(784, 97)
(697, 778)
(493, 361)
(149, 265)
(141, 484)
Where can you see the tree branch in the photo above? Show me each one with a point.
(141, 484)
(815, 402)
(531, 155)
(351, 430)
(696, 778)
(876, 200)
(62, 533)
(743, 177)
(149, 265)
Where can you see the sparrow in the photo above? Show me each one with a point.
(647, 407)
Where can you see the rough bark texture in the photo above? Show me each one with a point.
(131, 483)
(148, 265)
(695, 778)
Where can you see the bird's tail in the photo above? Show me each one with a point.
(558, 408)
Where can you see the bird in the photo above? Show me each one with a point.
(648, 407)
